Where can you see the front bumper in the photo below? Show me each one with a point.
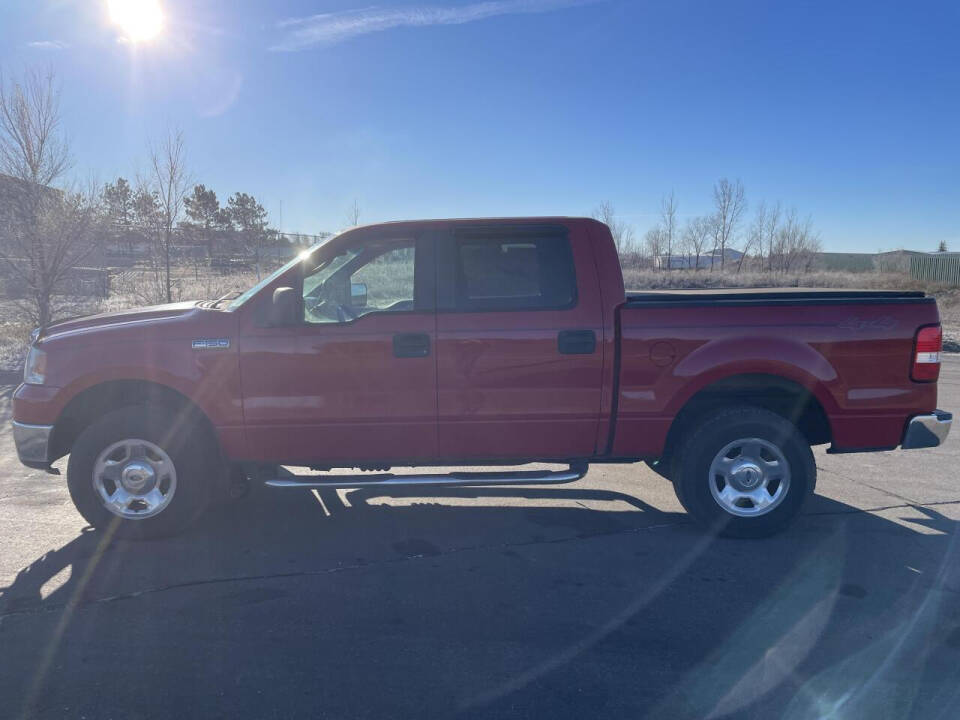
(926, 431)
(33, 443)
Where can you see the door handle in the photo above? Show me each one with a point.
(411, 345)
(576, 342)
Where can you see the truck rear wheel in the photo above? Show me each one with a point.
(138, 472)
(744, 472)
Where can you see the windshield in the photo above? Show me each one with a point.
(246, 295)
(328, 268)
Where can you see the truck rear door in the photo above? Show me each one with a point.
(518, 343)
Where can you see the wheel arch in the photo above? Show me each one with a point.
(784, 396)
(98, 399)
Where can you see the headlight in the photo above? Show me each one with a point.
(35, 368)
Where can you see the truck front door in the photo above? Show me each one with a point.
(354, 382)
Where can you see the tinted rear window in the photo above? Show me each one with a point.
(515, 272)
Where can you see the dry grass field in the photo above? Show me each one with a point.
(129, 289)
(135, 288)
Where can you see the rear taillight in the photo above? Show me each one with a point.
(926, 354)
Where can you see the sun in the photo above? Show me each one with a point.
(138, 20)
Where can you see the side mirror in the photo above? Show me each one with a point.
(283, 311)
(358, 294)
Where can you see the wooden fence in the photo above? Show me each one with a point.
(943, 268)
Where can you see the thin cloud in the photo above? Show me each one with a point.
(333, 28)
(47, 44)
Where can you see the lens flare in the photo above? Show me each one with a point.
(138, 20)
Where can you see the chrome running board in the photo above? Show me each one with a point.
(461, 479)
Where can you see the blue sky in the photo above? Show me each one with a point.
(846, 110)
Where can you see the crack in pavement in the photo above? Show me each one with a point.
(42, 609)
(866, 484)
(858, 511)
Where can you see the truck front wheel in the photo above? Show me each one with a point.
(744, 472)
(138, 472)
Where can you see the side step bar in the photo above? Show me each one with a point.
(461, 479)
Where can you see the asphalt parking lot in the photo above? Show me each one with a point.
(596, 599)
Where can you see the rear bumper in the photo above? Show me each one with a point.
(33, 443)
(926, 431)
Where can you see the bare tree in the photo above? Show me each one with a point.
(668, 224)
(171, 184)
(796, 245)
(353, 214)
(33, 149)
(754, 239)
(696, 236)
(654, 242)
(46, 230)
(148, 230)
(729, 203)
(771, 230)
(623, 238)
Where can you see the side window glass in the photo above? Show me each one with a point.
(515, 273)
(386, 282)
(372, 276)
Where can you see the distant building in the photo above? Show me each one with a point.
(690, 262)
(939, 267)
(846, 262)
(895, 260)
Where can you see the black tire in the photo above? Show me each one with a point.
(168, 431)
(702, 444)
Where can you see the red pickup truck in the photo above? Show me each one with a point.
(476, 343)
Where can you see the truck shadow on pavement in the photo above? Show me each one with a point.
(520, 602)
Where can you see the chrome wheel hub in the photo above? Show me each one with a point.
(134, 479)
(137, 476)
(746, 476)
(749, 477)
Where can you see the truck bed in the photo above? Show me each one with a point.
(851, 348)
(773, 296)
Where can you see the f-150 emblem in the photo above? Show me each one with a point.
(211, 344)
